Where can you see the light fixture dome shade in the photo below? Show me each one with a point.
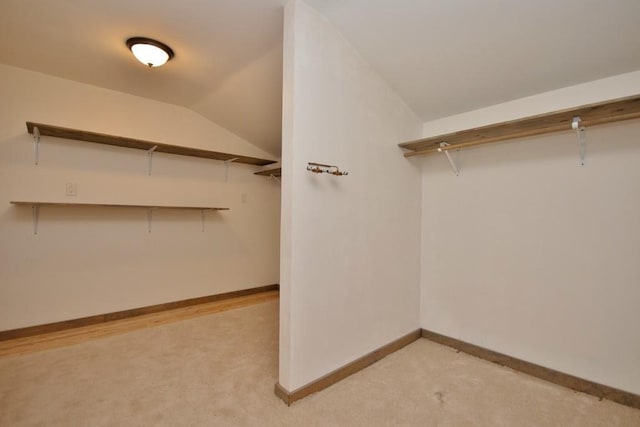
(150, 52)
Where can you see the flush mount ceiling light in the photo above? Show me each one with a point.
(150, 52)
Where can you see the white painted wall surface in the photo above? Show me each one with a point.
(350, 246)
(97, 260)
(527, 253)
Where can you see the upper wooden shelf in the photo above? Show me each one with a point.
(119, 141)
(117, 205)
(557, 121)
(270, 172)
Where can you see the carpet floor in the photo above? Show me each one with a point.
(220, 369)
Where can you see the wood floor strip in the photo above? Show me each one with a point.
(82, 334)
(556, 377)
(109, 317)
(346, 370)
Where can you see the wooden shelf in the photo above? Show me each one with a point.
(117, 205)
(35, 208)
(119, 141)
(557, 121)
(277, 172)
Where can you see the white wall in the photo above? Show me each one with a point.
(350, 245)
(527, 253)
(95, 260)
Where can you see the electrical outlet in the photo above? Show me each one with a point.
(243, 198)
(71, 189)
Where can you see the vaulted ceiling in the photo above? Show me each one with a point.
(442, 57)
(448, 57)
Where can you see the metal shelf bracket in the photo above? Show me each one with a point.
(274, 178)
(150, 156)
(35, 211)
(453, 164)
(226, 167)
(149, 218)
(36, 144)
(581, 132)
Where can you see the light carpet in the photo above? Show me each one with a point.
(220, 369)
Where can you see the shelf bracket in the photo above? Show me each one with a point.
(150, 156)
(35, 211)
(149, 218)
(36, 143)
(581, 132)
(202, 212)
(453, 164)
(275, 178)
(226, 167)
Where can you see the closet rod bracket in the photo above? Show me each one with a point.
(453, 164)
(581, 132)
(36, 144)
(150, 156)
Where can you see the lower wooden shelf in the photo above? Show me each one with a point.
(117, 205)
(35, 206)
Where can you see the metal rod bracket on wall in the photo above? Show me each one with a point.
(581, 132)
(226, 168)
(322, 168)
(150, 155)
(453, 164)
(36, 144)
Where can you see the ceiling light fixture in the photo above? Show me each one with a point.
(150, 52)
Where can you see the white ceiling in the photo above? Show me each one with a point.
(443, 57)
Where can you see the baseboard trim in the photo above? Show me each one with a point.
(578, 384)
(118, 315)
(341, 373)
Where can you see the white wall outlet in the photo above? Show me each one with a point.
(243, 197)
(71, 189)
